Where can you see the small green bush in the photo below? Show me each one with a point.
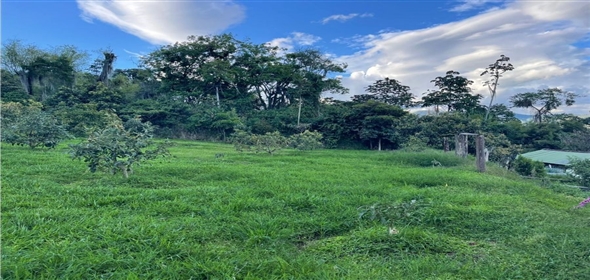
(529, 167)
(581, 169)
(29, 126)
(307, 140)
(119, 147)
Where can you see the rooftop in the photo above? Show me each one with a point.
(554, 156)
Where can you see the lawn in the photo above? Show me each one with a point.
(210, 212)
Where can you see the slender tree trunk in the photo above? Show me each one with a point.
(299, 113)
(217, 95)
(379, 144)
(493, 92)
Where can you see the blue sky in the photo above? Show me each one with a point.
(412, 41)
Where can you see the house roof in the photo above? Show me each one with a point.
(554, 156)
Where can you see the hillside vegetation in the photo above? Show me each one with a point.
(213, 213)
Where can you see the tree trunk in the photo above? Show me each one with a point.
(299, 113)
(379, 144)
(493, 92)
(217, 95)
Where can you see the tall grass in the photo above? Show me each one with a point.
(294, 215)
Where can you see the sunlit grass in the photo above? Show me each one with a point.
(293, 215)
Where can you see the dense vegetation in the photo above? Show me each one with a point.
(293, 215)
(206, 87)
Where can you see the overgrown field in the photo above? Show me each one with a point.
(213, 213)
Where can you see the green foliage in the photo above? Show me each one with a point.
(581, 171)
(414, 144)
(270, 142)
(80, 119)
(501, 150)
(242, 140)
(29, 126)
(578, 141)
(529, 167)
(307, 140)
(119, 147)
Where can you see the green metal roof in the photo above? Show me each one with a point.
(555, 157)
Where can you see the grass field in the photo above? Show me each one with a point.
(294, 215)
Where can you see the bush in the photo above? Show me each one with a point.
(529, 167)
(307, 140)
(581, 169)
(29, 126)
(119, 147)
(270, 142)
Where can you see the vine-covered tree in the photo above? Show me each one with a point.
(543, 101)
(107, 67)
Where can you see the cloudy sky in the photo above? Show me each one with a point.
(412, 41)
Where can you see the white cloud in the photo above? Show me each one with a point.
(538, 41)
(296, 39)
(164, 21)
(343, 18)
(467, 5)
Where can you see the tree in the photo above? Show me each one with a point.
(543, 101)
(578, 141)
(495, 71)
(17, 58)
(119, 147)
(376, 121)
(390, 91)
(454, 93)
(49, 70)
(195, 68)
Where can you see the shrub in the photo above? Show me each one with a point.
(414, 144)
(119, 147)
(242, 140)
(581, 169)
(529, 167)
(29, 126)
(270, 142)
(307, 140)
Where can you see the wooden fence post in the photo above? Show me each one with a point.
(480, 153)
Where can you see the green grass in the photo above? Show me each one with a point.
(294, 215)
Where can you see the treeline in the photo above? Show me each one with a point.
(209, 86)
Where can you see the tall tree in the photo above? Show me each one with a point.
(17, 58)
(543, 101)
(196, 67)
(391, 91)
(40, 69)
(376, 121)
(495, 71)
(453, 92)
